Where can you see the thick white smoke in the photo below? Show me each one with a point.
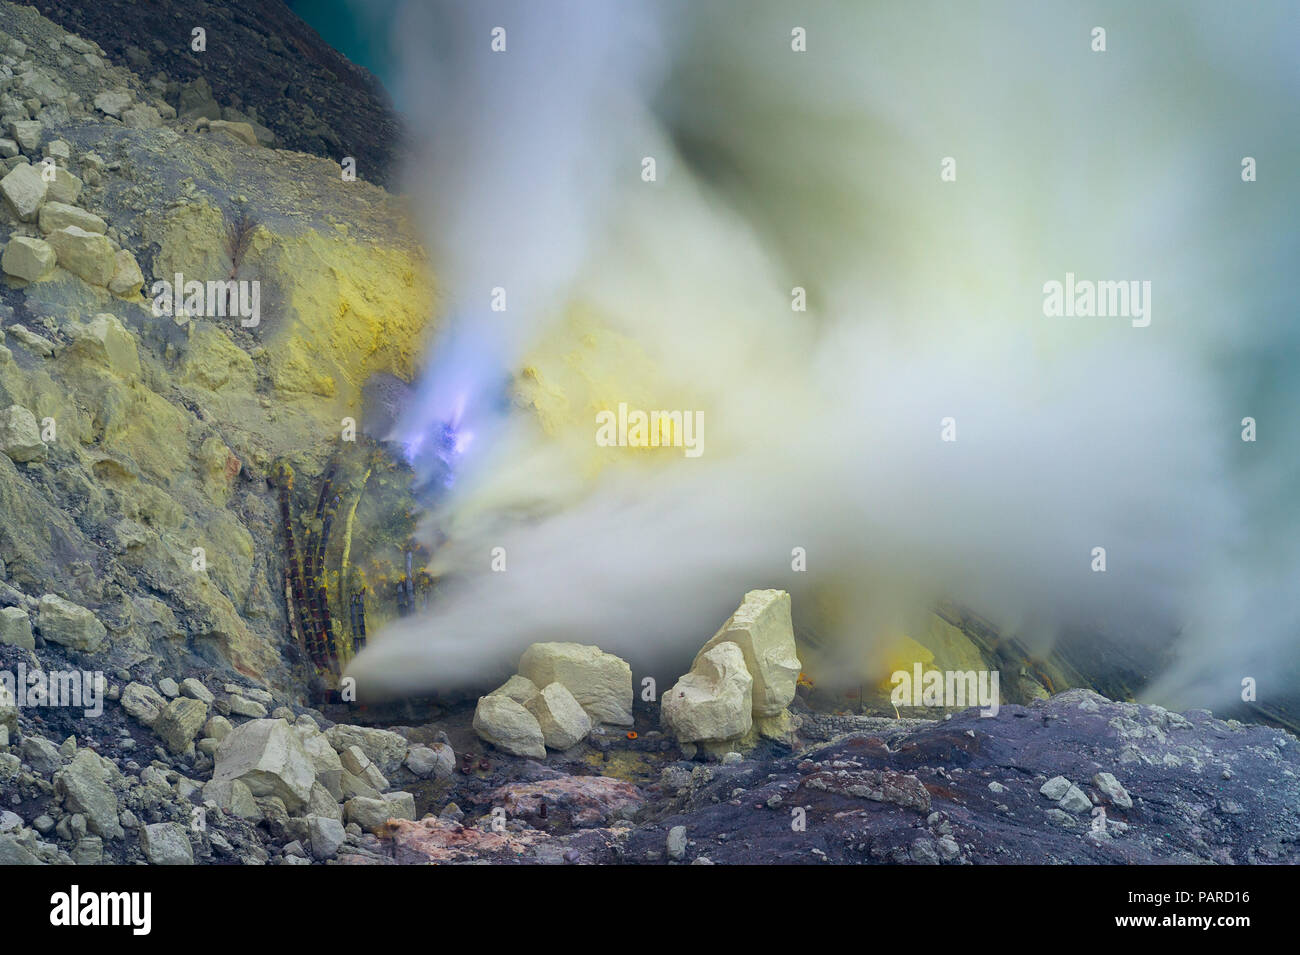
(822, 429)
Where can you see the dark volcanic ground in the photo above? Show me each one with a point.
(967, 790)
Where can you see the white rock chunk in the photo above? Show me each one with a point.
(267, 757)
(505, 724)
(761, 627)
(563, 721)
(712, 702)
(599, 681)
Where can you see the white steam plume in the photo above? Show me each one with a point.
(821, 170)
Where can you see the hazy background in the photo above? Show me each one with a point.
(821, 169)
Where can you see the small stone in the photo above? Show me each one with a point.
(180, 722)
(16, 628)
(42, 755)
(27, 133)
(563, 721)
(326, 835)
(218, 728)
(64, 187)
(677, 843)
(168, 687)
(195, 690)
(112, 102)
(167, 843)
(25, 191)
(1055, 788)
(437, 761)
(1075, 800)
(505, 724)
(366, 812)
(1110, 788)
(242, 707)
(518, 688)
(143, 703)
(401, 805)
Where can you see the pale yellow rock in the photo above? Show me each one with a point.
(64, 186)
(20, 435)
(87, 255)
(127, 278)
(24, 191)
(240, 131)
(762, 628)
(563, 721)
(600, 681)
(518, 688)
(505, 724)
(28, 259)
(106, 341)
(60, 215)
(714, 701)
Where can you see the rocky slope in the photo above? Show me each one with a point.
(262, 64)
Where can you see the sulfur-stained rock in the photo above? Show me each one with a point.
(63, 187)
(563, 721)
(16, 628)
(180, 721)
(61, 621)
(20, 436)
(386, 748)
(24, 191)
(714, 701)
(599, 681)
(83, 784)
(505, 724)
(87, 255)
(143, 703)
(166, 843)
(107, 342)
(28, 259)
(60, 215)
(761, 627)
(234, 796)
(127, 278)
(518, 688)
